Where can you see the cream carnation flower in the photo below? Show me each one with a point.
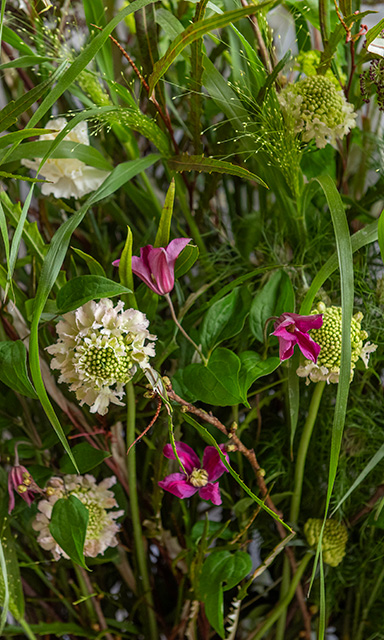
(69, 177)
(328, 337)
(319, 111)
(99, 349)
(101, 529)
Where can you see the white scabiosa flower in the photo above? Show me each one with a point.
(69, 177)
(101, 529)
(319, 111)
(99, 349)
(328, 337)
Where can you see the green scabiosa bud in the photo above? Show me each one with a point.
(319, 110)
(334, 541)
(328, 337)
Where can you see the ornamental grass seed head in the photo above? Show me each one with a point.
(291, 329)
(101, 529)
(69, 177)
(320, 112)
(328, 337)
(199, 478)
(156, 265)
(334, 540)
(99, 349)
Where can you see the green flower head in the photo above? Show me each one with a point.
(328, 337)
(334, 541)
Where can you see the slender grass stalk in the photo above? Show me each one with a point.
(27, 629)
(149, 614)
(372, 598)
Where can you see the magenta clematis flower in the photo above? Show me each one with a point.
(199, 478)
(21, 481)
(156, 266)
(291, 329)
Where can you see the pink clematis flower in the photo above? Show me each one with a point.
(156, 266)
(291, 329)
(21, 481)
(199, 478)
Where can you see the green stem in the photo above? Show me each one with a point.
(185, 334)
(297, 491)
(370, 602)
(27, 629)
(302, 452)
(284, 602)
(144, 582)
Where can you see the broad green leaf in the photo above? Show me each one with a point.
(275, 298)
(380, 234)
(218, 382)
(225, 318)
(162, 235)
(94, 266)
(86, 457)
(82, 289)
(186, 162)
(212, 529)
(222, 570)
(253, 368)
(186, 260)
(68, 526)
(10, 583)
(11, 37)
(13, 368)
(195, 31)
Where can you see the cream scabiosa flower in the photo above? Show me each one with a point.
(318, 109)
(69, 177)
(99, 349)
(328, 337)
(101, 529)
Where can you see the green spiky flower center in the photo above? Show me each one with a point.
(334, 540)
(321, 99)
(104, 363)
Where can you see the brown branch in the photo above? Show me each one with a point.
(379, 493)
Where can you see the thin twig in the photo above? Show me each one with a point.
(97, 606)
(263, 49)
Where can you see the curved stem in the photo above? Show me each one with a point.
(149, 613)
(185, 334)
(27, 629)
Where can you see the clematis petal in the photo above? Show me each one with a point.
(161, 272)
(306, 323)
(186, 454)
(211, 492)
(212, 462)
(177, 484)
(286, 347)
(174, 249)
(308, 347)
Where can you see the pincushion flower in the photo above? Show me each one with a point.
(334, 542)
(198, 478)
(21, 482)
(99, 349)
(156, 266)
(69, 177)
(319, 111)
(291, 329)
(101, 529)
(328, 337)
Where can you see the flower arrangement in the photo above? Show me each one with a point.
(191, 335)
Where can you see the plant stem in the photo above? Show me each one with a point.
(284, 602)
(370, 602)
(185, 334)
(148, 610)
(27, 629)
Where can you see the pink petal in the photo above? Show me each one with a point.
(306, 323)
(286, 347)
(177, 484)
(161, 271)
(174, 249)
(11, 504)
(141, 269)
(308, 347)
(116, 263)
(212, 462)
(211, 492)
(186, 454)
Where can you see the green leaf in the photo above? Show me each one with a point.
(64, 149)
(94, 266)
(337, 35)
(275, 298)
(253, 368)
(374, 32)
(24, 62)
(380, 234)
(53, 629)
(224, 319)
(185, 162)
(195, 31)
(195, 111)
(10, 580)
(213, 529)
(162, 236)
(16, 176)
(221, 568)
(13, 368)
(68, 526)
(82, 289)
(15, 136)
(86, 457)
(186, 260)
(218, 382)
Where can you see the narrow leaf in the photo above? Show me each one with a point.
(186, 162)
(162, 236)
(13, 368)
